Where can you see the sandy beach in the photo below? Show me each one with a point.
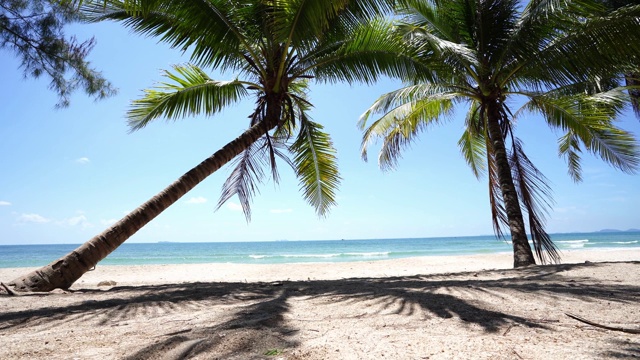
(449, 307)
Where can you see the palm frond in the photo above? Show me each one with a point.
(540, 23)
(407, 112)
(316, 165)
(363, 54)
(569, 147)
(616, 146)
(472, 143)
(595, 47)
(189, 92)
(244, 179)
(632, 81)
(211, 30)
(299, 21)
(498, 212)
(589, 119)
(248, 172)
(535, 196)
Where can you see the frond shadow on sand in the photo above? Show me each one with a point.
(256, 317)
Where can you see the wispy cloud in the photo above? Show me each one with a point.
(32, 218)
(5, 203)
(79, 220)
(564, 210)
(197, 200)
(233, 206)
(280, 211)
(83, 161)
(108, 222)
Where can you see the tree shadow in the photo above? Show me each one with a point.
(261, 323)
(624, 349)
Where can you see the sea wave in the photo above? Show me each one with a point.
(323, 256)
(573, 244)
(369, 254)
(582, 241)
(625, 242)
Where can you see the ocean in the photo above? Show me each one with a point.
(276, 252)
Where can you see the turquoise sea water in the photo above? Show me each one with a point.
(304, 251)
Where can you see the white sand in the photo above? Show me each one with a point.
(449, 307)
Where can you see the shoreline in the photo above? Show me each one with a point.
(134, 275)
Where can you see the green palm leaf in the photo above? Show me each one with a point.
(315, 162)
(499, 216)
(205, 28)
(248, 172)
(190, 92)
(587, 120)
(407, 112)
(472, 143)
(535, 194)
(362, 54)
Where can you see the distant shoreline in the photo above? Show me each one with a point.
(506, 237)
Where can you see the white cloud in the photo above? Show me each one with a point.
(5, 203)
(33, 218)
(83, 161)
(234, 207)
(79, 220)
(108, 222)
(280, 211)
(197, 200)
(564, 210)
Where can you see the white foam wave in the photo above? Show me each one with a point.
(576, 246)
(323, 256)
(369, 254)
(583, 241)
(625, 242)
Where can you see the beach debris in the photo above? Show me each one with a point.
(9, 291)
(612, 328)
(107, 283)
(176, 332)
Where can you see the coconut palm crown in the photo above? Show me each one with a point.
(484, 53)
(274, 48)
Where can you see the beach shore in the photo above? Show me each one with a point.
(445, 307)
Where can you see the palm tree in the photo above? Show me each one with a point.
(484, 53)
(274, 48)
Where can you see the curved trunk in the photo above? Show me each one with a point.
(63, 272)
(522, 254)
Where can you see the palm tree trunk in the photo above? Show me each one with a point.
(522, 254)
(62, 273)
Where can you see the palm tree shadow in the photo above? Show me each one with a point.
(624, 349)
(247, 333)
(258, 320)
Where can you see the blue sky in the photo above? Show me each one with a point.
(67, 174)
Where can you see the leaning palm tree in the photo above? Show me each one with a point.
(483, 54)
(274, 48)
